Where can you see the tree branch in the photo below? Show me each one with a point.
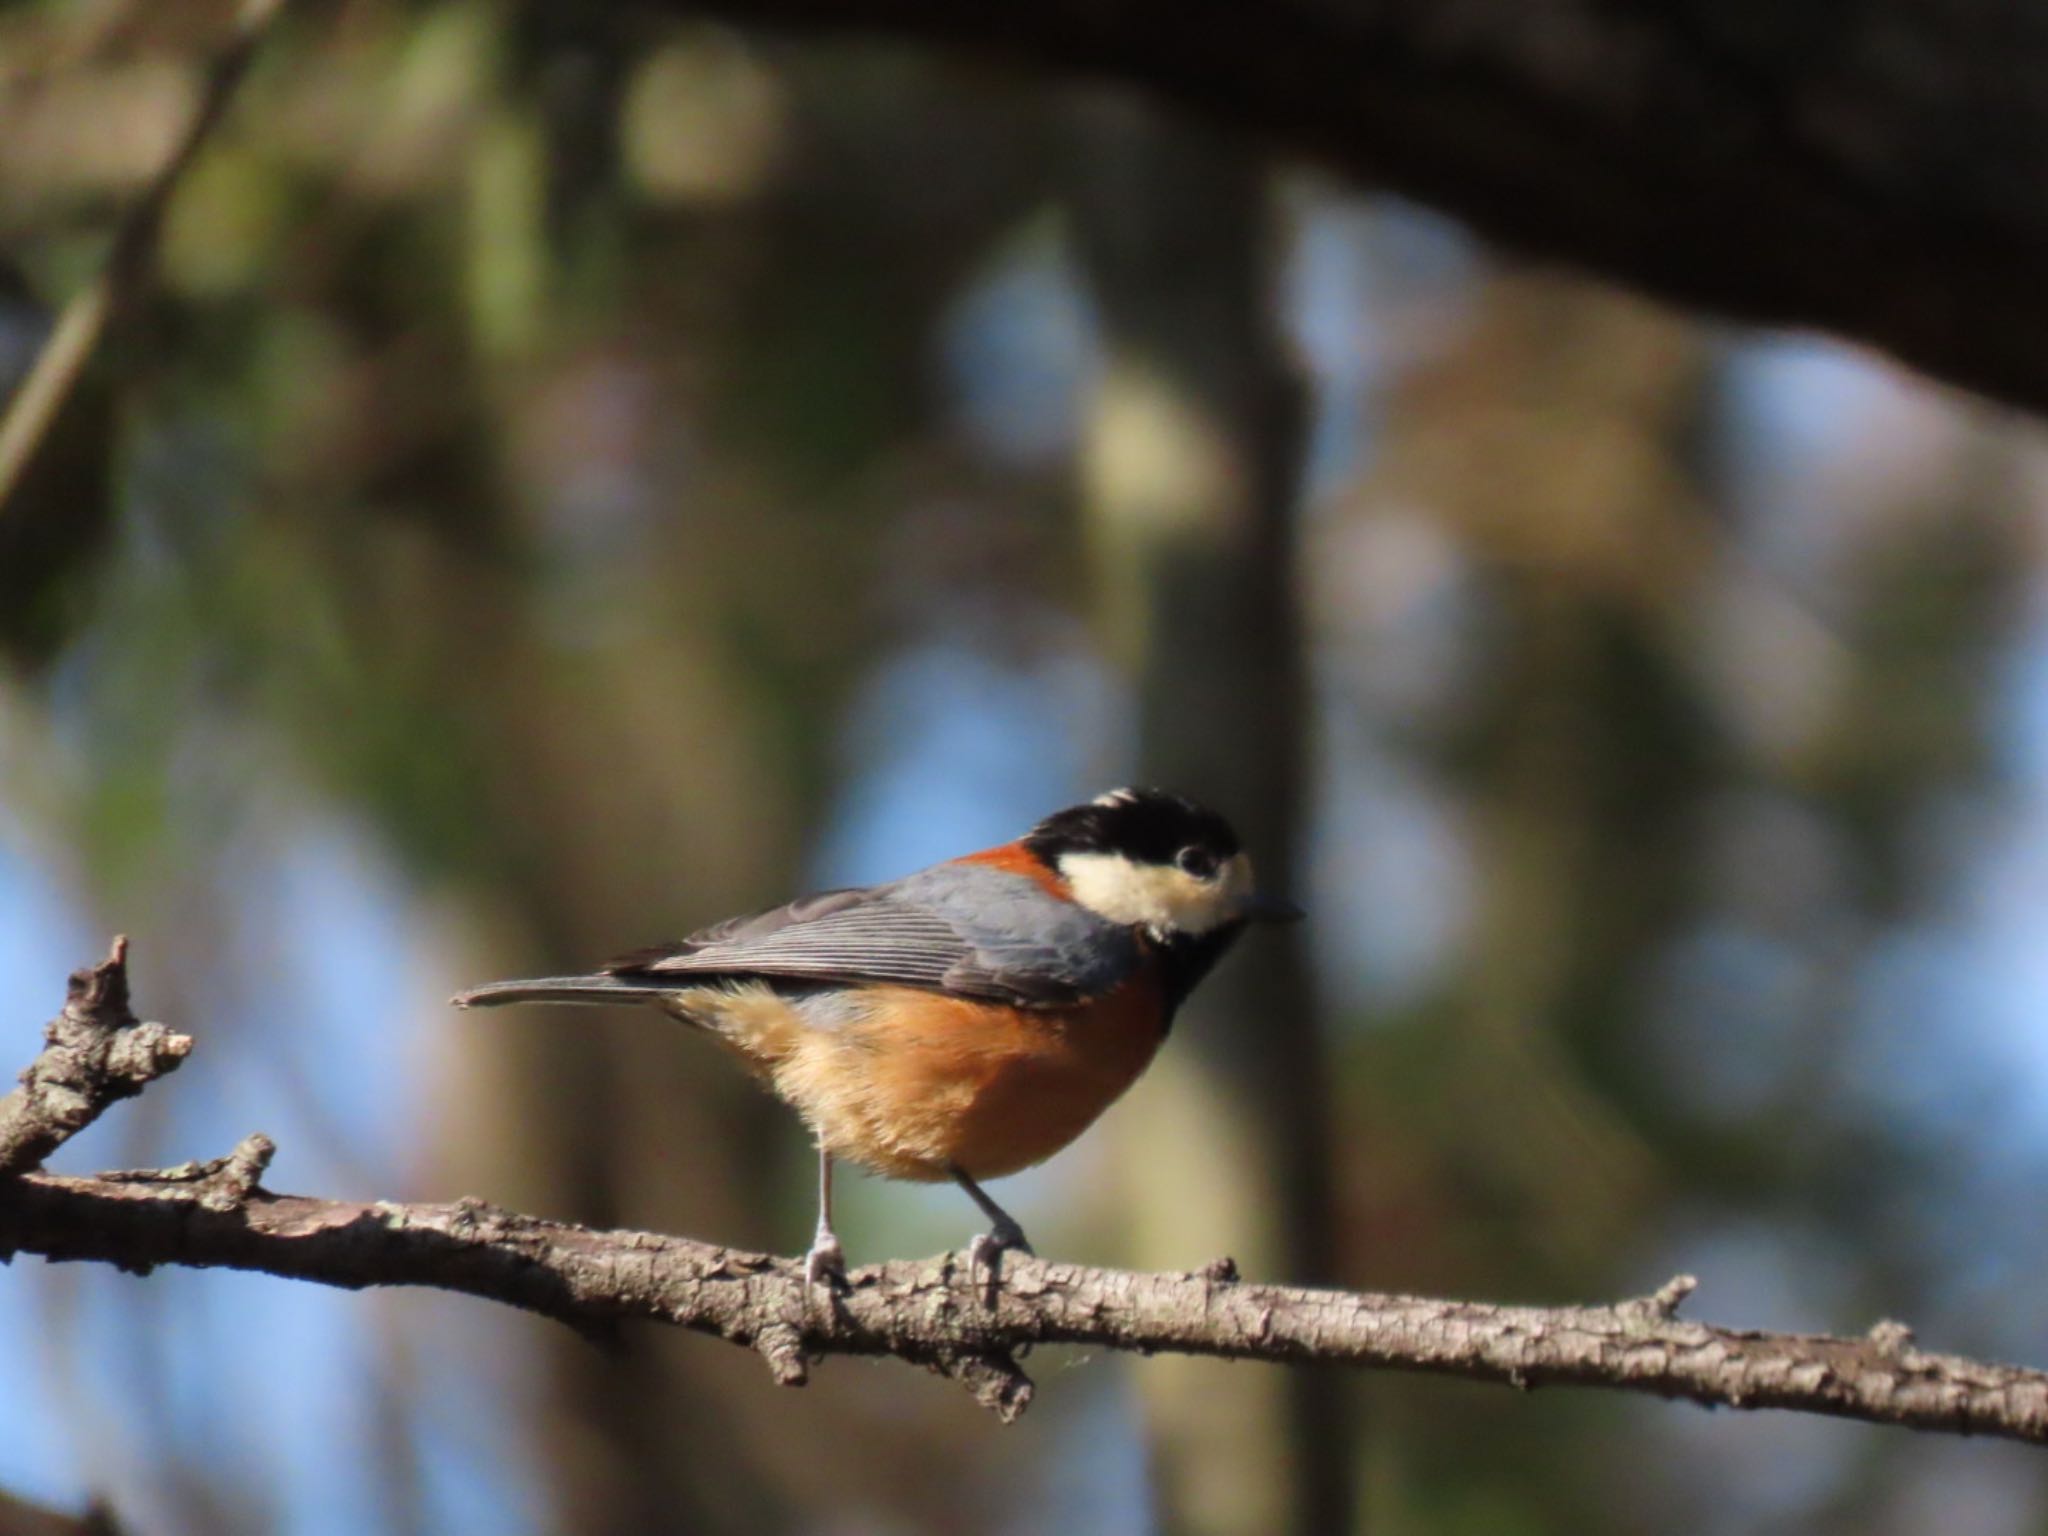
(1870, 167)
(20, 1518)
(933, 1313)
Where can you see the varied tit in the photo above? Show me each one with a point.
(968, 1020)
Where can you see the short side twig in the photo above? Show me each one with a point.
(95, 1052)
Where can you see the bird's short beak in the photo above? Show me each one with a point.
(1262, 907)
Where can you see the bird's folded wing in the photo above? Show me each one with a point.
(970, 932)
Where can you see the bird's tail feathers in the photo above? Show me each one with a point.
(563, 989)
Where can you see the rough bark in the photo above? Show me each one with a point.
(1870, 167)
(934, 1313)
(94, 1053)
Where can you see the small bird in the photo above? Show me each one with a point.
(971, 1019)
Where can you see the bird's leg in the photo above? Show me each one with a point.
(985, 1252)
(825, 1264)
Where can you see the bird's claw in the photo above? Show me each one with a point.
(985, 1253)
(825, 1264)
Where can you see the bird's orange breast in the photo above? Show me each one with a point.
(920, 1081)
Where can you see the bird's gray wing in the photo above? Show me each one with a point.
(958, 928)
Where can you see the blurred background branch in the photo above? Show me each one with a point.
(32, 409)
(1689, 149)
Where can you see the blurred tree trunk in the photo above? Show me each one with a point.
(1191, 472)
(630, 824)
(1554, 440)
(681, 784)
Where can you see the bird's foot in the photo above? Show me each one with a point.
(985, 1253)
(825, 1264)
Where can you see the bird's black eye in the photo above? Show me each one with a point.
(1197, 861)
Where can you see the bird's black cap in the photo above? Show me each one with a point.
(1149, 826)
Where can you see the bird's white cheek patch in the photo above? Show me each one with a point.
(1156, 895)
